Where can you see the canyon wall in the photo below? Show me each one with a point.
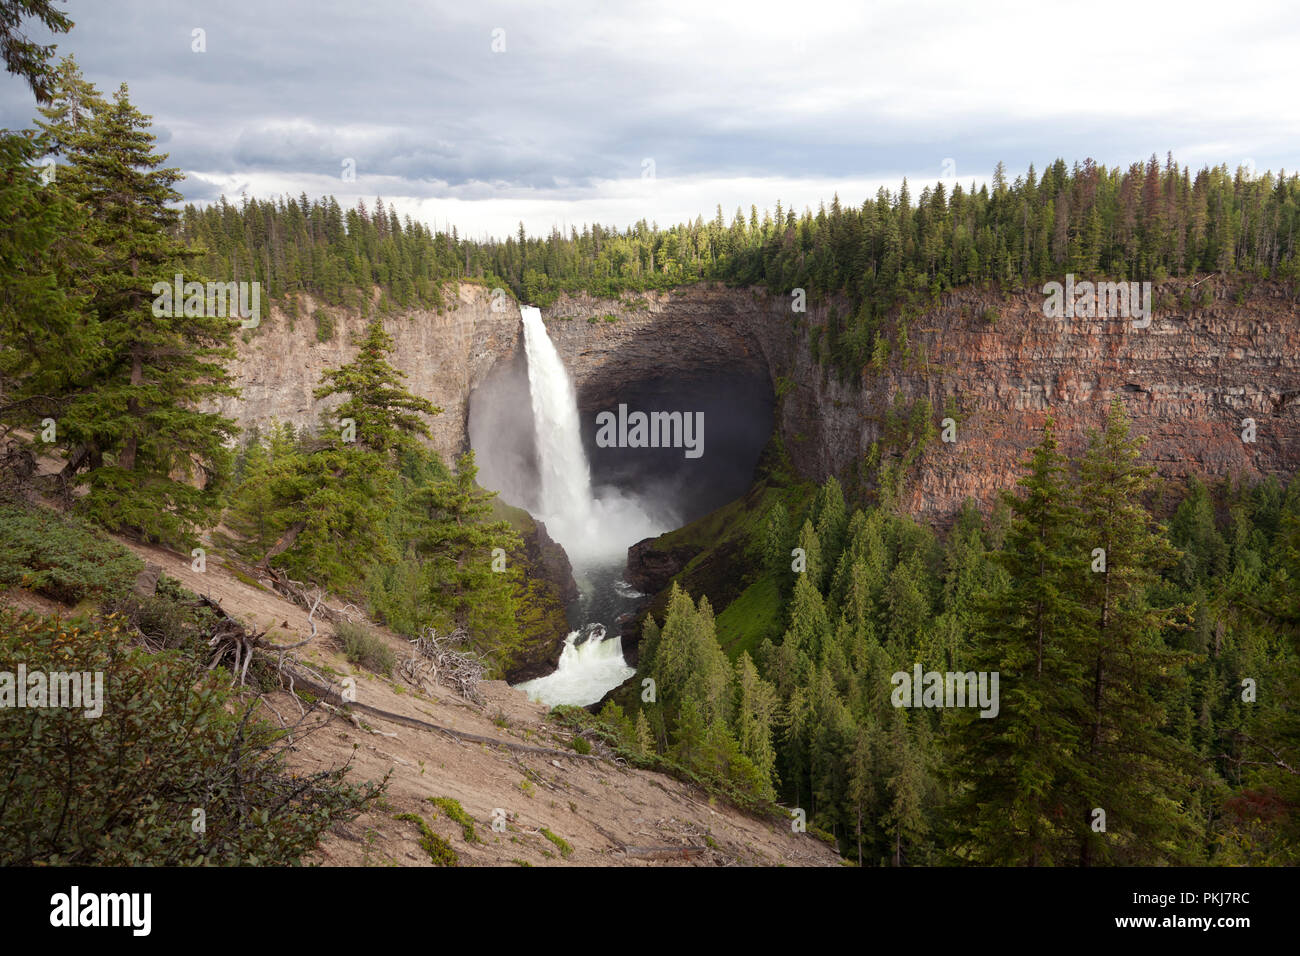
(1188, 380)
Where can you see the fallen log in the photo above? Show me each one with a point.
(333, 696)
(664, 852)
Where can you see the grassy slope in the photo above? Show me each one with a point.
(727, 566)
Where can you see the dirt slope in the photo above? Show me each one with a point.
(596, 806)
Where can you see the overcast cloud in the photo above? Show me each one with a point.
(732, 102)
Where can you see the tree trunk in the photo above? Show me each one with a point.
(127, 459)
(284, 544)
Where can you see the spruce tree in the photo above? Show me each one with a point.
(1135, 770)
(386, 416)
(1017, 770)
(149, 459)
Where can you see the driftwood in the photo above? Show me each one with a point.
(438, 657)
(299, 594)
(230, 637)
(664, 852)
(333, 696)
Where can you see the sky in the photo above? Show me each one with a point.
(483, 115)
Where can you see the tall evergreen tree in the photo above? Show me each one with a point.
(149, 459)
(1018, 768)
(1132, 768)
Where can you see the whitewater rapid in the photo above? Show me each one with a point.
(587, 671)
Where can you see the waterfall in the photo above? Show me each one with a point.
(566, 500)
(594, 532)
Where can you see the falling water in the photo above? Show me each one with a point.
(586, 671)
(594, 532)
(566, 501)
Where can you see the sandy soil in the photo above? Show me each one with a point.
(597, 806)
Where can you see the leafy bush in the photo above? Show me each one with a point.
(124, 789)
(365, 649)
(171, 618)
(62, 557)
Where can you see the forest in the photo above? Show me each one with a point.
(1153, 687)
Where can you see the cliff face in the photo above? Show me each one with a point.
(443, 355)
(1187, 380)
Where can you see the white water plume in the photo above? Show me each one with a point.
(585, 673)
(589, 529)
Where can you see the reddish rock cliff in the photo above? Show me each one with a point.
(1188, 379)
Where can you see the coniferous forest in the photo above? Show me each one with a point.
(1144, 630)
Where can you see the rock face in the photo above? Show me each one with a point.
(650, 568)
(550, 589)
(443, 355)
(1188, 380)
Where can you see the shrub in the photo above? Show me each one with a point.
(62, 557)
(990, 315)
(457, 813)
(365, 649)
(324, 325)
(582, 745)
(561, 844)
(439, 850)
(123, 789)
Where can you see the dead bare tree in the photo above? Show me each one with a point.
(441, 659)
(311, 597)
(231, 638)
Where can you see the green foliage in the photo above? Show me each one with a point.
(440, 851)
(365, 648)
(61, 557)
(129, 424)
(566, 850)
(324, 325)
(386, 416)
(121, 789)
(21, 55)
(457, 814)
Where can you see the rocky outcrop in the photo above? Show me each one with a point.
(650, 568)
(553, 564)
(444, 355)
(1188, 380)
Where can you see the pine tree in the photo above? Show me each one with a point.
(645, 744)
(45, 344)
(149, 459)
(1132, 768)
(1017, 768)
(456, 545)
(754, 710)
(21, 55)
(904, 820)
